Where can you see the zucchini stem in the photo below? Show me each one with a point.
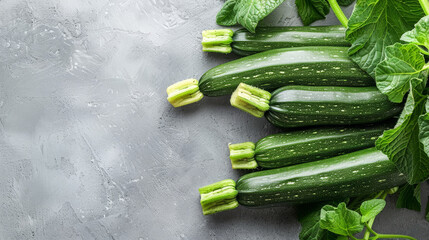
(242, 155)
(184, 92)
(339, 13)
(217, 40)
(218, 197)
(251, 99)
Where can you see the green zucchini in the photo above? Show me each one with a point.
(314, 66)
(299, 106)
(244, 43)
(296, 147)
(353, 174)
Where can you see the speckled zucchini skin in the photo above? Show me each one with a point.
(298, 106)
(358, 173)
(296, 147)
(266, 38)
(313, 66)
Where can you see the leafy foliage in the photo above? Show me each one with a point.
(226, 16)
(403, 64)
(346, 222)
(312, 10)
(248, 13)
(376, 24)
(409, 197)
(402, 143)
(340, 220)
(424, 130)
(309, 217)
(371, 208)
(419, 35)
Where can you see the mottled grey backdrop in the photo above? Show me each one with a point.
(91, 149)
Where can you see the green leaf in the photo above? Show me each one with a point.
(345, 2)
(424, 130)
(371, 208)
(409, 197)
(309, 217)
(403, 64)
(402, 144)
(375, 24)
(226, 16)
(340, 220)
(248, 13)
(420, 34)
(312, 10)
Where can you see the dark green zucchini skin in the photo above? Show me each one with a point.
(313, 66)
(267, 38)
(298, 106)
(357, 173)
(296, 147)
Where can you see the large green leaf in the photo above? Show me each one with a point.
(248, 13)
(309, 217)
(420, 34)
(340, 220)
(312, 10)
(371, 208)
(409, 197)
(403, 64)
(402, 144)
(376, 24)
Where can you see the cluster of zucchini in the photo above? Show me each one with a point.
(296, 77)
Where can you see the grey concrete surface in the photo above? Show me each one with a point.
(91, 149)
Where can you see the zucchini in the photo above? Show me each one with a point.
(244, 43)
(353, 174)
(296, 147)
(299, 106)
(314, 66)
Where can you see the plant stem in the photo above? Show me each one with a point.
(368, 227)
(384, 196)
(424, 51)
(377, 236)
(425, 6)
(340, 14)
(378, 194)
(368, 230)
(394, 236)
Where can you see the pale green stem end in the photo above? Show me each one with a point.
(251, 99)
(217, 40)
(242, 155)
(218, 197)
(184, 92)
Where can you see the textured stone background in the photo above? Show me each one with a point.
(91, 149)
